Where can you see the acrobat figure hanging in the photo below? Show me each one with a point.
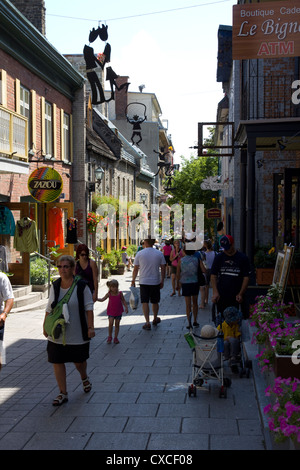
(92, 62)
(136, 122)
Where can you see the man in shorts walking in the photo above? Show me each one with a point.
(151, 265)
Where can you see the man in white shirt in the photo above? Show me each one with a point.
(6, 303)
(151, 266)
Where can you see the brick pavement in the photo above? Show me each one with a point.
(139, 399)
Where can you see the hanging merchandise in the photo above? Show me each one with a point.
(3, 259)
(7, 222)
(55, 231)
(26, 239)
(71, 230)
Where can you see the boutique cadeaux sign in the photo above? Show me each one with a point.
(45, 184)
(266, 30)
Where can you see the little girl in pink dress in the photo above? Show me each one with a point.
(116, 302)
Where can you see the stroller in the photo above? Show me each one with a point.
(207, 361)
(240, 366)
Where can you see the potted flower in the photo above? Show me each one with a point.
(92, 221)
(284, 410)
(265, 261)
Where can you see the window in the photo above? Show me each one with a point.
(25, 107)
(48, 129)
(66, 137)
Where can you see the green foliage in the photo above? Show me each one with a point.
(38, 272)
(265, 257)
(188, 182)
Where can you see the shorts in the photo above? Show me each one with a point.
(173, 269)
(150, 294)
(190, 289)
(114, 317)
(59, 354)
(167, 260)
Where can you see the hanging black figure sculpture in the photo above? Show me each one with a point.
(136, 121)
(92, 62)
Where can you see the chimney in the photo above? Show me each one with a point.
(121, 98)
(34, 11)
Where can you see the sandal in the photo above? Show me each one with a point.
(109, 339)
(87, 386)
(60, 399)
(156, 321)
(147, 326)
(116, 341)
(173, 293)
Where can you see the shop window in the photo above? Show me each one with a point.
(48, 129)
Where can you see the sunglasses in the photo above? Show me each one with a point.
(83, 254)
(64, 266)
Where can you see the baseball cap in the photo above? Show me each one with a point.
(226, 241)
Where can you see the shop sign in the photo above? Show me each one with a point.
(266, 30)
(45, 184)
(213, 213)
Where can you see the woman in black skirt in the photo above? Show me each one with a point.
(79, 330)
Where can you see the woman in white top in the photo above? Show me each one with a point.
(79, 329)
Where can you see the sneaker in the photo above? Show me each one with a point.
(109, 339)
(116, 341)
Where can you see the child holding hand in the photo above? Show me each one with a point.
(116, 302)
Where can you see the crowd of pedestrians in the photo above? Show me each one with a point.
(190, 271)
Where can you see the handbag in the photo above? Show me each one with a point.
(55, 323)
(201, 277)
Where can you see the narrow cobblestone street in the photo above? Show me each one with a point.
(139, 399)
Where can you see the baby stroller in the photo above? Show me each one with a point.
(239, 365)
(207, 361)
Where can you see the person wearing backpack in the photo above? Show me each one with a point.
(74, 345)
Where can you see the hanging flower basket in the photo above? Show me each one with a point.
(92, 221)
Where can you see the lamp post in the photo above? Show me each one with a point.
(99, 173)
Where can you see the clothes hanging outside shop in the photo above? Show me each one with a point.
(71, 231)
(3, 259)
(7, 222)
(26, 239)
(55, 230)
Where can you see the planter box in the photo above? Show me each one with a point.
(285, 368)
(264, 276)
(118, 270)
(39, 287)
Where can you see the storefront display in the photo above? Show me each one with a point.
(25, 238)
(55, 233)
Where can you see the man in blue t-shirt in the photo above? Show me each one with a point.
(229, 275)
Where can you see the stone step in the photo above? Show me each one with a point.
(30, 301)
(21, 291)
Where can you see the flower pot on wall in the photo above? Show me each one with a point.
(264, 276)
